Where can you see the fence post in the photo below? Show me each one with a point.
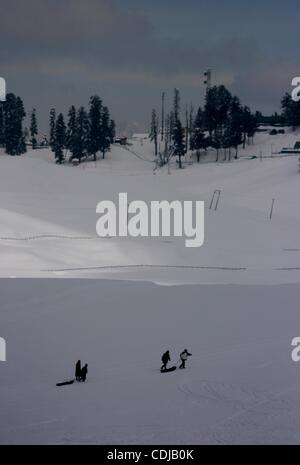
(218, 198)
(217, 194)
(212, 200)
(272, 208)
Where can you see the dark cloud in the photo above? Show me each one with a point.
(100, 37)
(51, 49)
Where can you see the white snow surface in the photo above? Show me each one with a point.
(48, 217)
(240, 385)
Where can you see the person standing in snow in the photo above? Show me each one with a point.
(165, 359)
(84, 372)
(78, 370)
(183, 357)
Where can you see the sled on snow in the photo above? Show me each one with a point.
(167, 370)
(65, 383)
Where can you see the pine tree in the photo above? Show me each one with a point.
(197, 137)
(52, 129)
(216, 142)
(249, 124)
(291, 111)
(71, 129)
(178, 142)
(171, 126)
(79, 145)
(154, 131)
(60, 139)
(234, 127)
(95, 115)
(14, 115)
(33, 129)
(217, 110)
(2, 125)
(105, 134)
(21, 147)
(176, 108)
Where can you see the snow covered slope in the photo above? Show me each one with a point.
(240, 385)
(48, 217)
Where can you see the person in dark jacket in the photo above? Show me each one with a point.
(183, 357)
(78, 370)
(165, 359)
(84, 372)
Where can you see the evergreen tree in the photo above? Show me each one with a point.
(178, 142)
(33, 129)
(249, 124)
(60, 139)
(2, 125)
(71, 129)
(154, 131)
(14, 115)
(176, 108)
(105, 134)
(80, 139)
(197, 136)
(171, 126)
(21, 148)
(52, 129)
(217, 111)
(216, 141)
(234, 128)
(95, 116)
(291, 111)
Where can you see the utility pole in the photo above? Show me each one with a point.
(162, 115)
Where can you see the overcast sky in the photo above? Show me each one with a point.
(60, 52)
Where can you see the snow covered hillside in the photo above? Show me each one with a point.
(240, 385)
(48, 217)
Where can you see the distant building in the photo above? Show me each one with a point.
(121, 140)
(140, 136)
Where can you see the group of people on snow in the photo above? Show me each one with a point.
(166, 359)
(81, 373)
